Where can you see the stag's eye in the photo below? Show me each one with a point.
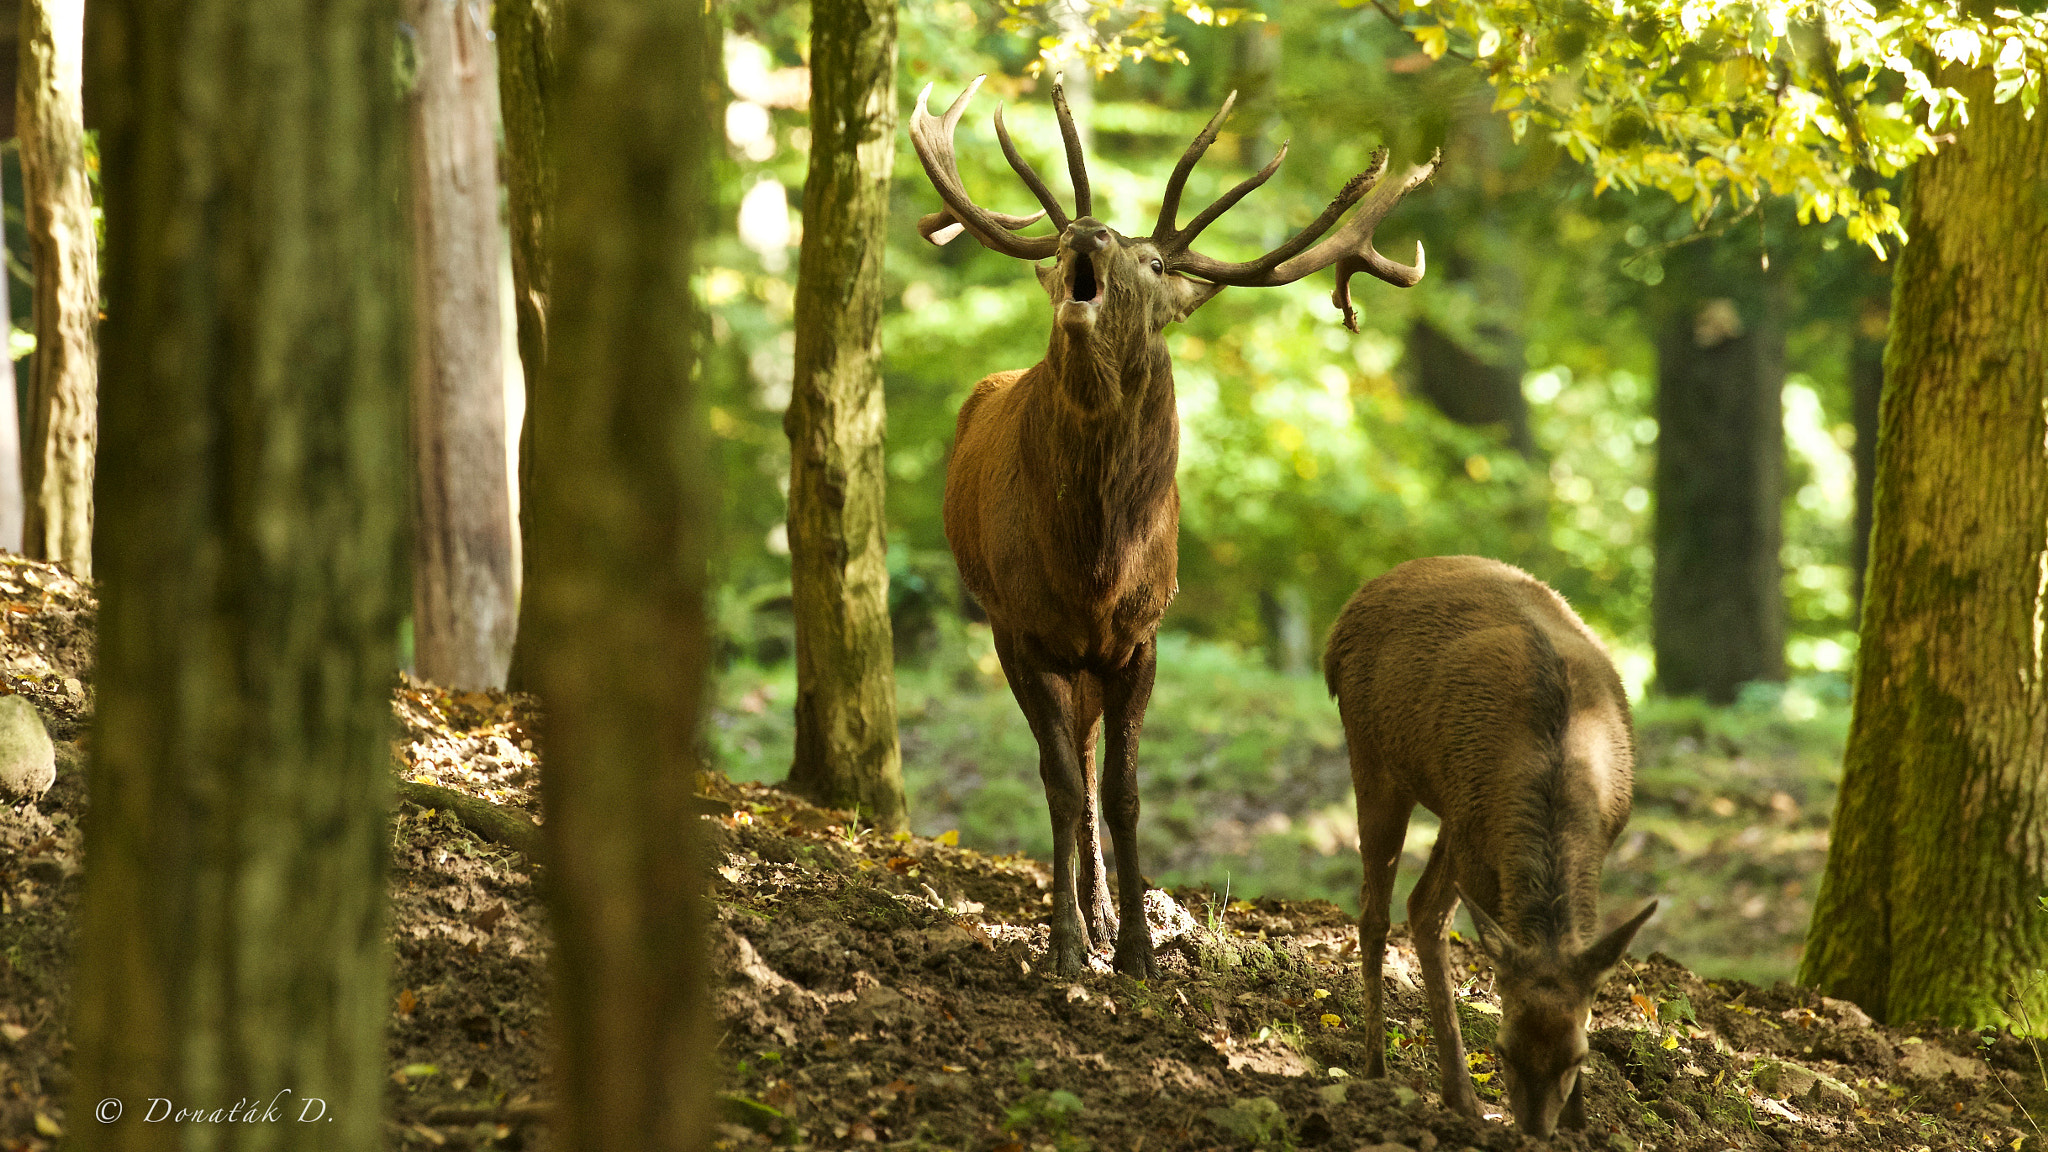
(1157, 267)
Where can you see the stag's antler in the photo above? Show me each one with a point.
(1350, 249)
(933, 138)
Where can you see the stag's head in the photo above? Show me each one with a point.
(1546, 1001)
(1104, 284)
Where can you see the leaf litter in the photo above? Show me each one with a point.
(890, 991)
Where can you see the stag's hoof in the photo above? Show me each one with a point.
(1134, 958)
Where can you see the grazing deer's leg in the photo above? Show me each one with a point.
(1383, 811)
(1046, 698)
(1126, 692)
(1430, 908)
(1096, 908)
(1574, 1114)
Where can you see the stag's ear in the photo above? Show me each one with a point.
(1493, 939)
(1186, 295)
(1047, 273)
(1594, 963)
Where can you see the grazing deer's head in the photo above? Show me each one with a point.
(1546, 995)
(1106, 286)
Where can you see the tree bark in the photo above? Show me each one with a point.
(57, 466)
(1469, 388)
(10, 425)
(464, 571)
(846, 750)
(1938, 848)
(1866, 386)
(1717, 606)
(615, 605)
(527, 31)
(232, 927)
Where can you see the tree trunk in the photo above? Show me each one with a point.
(232, 927)
(1717, 606)
(10, 426)
(617, 633)
(1469, 388)
(527, 31)
(1938, 849)
(63, 377)
(464, 570)
(1866, 386)
(846, 750)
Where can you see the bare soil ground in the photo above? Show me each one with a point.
(889, 991)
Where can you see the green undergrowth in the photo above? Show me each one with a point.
(1246, 789)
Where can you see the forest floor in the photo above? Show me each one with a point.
(889, 991)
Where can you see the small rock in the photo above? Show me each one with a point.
(1405, 1096)
(1932, 1062)
(1847, 1012)
(1620, 1143)
(28, 761)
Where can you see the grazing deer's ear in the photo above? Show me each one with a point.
(1493, 939)
(1605, 953)
(1188, 295)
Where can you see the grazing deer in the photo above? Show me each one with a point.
(1471, 688)
(1061, 506)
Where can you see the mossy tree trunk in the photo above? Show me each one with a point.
(57, 460)
(1939, 846)
(1717, 604)
(464, 570)
(616, 626)
(846, 750)
(527, 31)
(252, 504)
(1866, 387)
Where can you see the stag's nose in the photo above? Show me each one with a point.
(1088, 235)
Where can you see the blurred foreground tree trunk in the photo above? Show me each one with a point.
(231, 939)
(1939, 847)
(57, 460)
(846, 750)
(11, 510)
(1717, 603)
(527, 31)
(616, 623)
(464, 570)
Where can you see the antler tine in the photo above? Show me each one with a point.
(1077, 168)
(933, 139)
(1169, 208)
(1349, 248)
(1030, 176)
(1180, 240)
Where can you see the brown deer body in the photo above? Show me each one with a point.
(1061, 507)
(1469, 687)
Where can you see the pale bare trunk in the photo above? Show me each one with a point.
(63, 388)
(464, 590)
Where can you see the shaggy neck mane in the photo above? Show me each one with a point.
(1548, 885)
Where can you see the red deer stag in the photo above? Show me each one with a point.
(1061, 506)
(1469, 687)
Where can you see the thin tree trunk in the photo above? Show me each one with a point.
(615, 603)
(63, 431)
(1717, 604)
(232, 927)
(1939, 851)
(10, 426)
(846, 750)
(464, 570)
(527, 31)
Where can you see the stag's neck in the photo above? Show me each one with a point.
(1110, 380)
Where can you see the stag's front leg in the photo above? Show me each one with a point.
(1430, 908)
(1098, 911)
(1126, 692)
(1047, 699)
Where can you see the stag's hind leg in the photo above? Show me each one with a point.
(1383, 811)
(1430, 908)
(1047, 697)
(1126, 692)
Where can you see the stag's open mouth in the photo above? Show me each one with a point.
(1087, 289)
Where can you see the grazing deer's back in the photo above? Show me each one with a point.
(1459, 675)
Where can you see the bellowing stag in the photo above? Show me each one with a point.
(1061, 506)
